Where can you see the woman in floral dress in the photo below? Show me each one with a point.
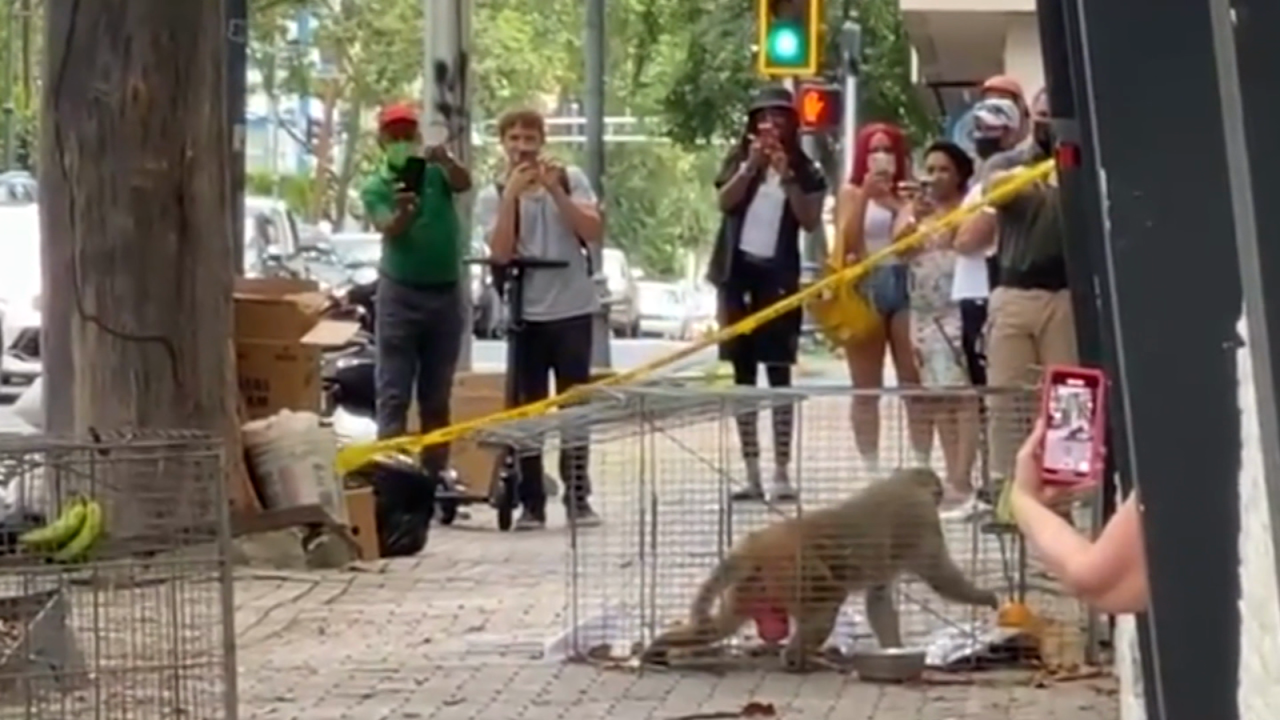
(935, 318)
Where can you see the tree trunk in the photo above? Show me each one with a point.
(136, 212)
(347, 173)
(322, 181)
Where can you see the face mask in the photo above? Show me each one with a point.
(398, 152)
(985, 147)
(1043, 134)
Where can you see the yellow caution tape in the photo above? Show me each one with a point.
(357, 455)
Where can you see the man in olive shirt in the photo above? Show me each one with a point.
(418, 311)
(1030, 323)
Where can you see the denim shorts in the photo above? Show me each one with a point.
(886, 288)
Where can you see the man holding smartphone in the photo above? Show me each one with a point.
(542, 209)
(418, 320)
(1031, 323)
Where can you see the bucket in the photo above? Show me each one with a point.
(291, 454)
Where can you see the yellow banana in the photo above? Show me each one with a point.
(59, 532)
(86, 538)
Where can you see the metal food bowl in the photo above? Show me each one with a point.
(889, 665)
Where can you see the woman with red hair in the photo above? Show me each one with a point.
(867, 208)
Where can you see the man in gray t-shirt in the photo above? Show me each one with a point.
(540, 209)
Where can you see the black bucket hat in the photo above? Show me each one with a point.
(774, 96)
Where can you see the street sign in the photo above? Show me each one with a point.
(788, 37)
(818, 106)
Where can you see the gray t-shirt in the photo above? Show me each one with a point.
(551, 293)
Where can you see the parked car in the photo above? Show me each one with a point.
(704, 315)
(664, 310)
(21, 282)
(271, 234)
(622, 295)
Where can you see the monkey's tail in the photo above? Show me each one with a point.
(732, 569)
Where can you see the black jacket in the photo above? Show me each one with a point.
(720, 269)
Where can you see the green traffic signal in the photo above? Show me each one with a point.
(786, 45)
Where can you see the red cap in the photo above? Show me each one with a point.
(397, 113)
(1003, 83)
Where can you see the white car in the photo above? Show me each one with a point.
(664, 310)
(20, 295)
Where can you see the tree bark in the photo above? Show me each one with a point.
(136, 211)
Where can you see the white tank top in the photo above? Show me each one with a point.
(877, 229)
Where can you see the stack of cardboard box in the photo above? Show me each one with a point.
(280, 336)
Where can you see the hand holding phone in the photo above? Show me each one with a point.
(1074, 417)
(412, 174)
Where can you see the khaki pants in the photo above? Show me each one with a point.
(1027, 330)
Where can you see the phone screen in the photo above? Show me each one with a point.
(412, 173)
(1069, 441)
(882, 164)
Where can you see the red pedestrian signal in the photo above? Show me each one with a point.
(818, 106)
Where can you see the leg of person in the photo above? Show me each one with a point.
(1056, 341)
(1011, 353)
(919, 408)
(439, 342)
(865, 358)
(570, 355)
(396, 330)
(732, 300)
(532, 384)
(973, 321)
(779, 375)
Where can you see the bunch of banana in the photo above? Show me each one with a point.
(69, 538)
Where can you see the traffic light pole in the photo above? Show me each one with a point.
(850, 51)
(593, 107)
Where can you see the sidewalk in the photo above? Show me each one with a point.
(453, 635)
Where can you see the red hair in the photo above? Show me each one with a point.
(862, 148)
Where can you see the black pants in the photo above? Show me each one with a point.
(973, 321)
(562, 347)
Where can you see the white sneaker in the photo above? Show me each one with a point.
(968, 511)
(782, 488)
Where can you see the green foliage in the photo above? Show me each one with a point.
(715, 73)
(296, 190)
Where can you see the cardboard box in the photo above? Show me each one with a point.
(279, 338)
(362, 519)
(475, 394)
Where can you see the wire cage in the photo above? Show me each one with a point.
(669, 463)
(139, 626)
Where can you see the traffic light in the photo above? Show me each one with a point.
(788, 37)
(819, 106)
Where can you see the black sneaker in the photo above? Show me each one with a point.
(751, 493)
(583, 515)
(528, 522)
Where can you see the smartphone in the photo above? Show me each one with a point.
(1074, 409)
(412, 174)
(882, 164)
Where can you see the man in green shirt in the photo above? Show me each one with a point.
(418, 310)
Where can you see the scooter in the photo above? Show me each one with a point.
(509, 279)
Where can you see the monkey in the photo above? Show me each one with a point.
(802, 570)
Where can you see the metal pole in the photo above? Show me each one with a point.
(850, 49)
(1254, 267)
(273, 126)
(236, 15)
(446, 41)
(10, 110)
(593, 109)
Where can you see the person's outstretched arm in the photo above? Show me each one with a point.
(1109, 573)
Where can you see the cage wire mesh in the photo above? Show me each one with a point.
(668, 459)
(141, 627)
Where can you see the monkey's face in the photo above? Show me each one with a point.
(922, 477)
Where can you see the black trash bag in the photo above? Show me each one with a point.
(404, 502)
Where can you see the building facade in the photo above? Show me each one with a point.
(959, 43)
